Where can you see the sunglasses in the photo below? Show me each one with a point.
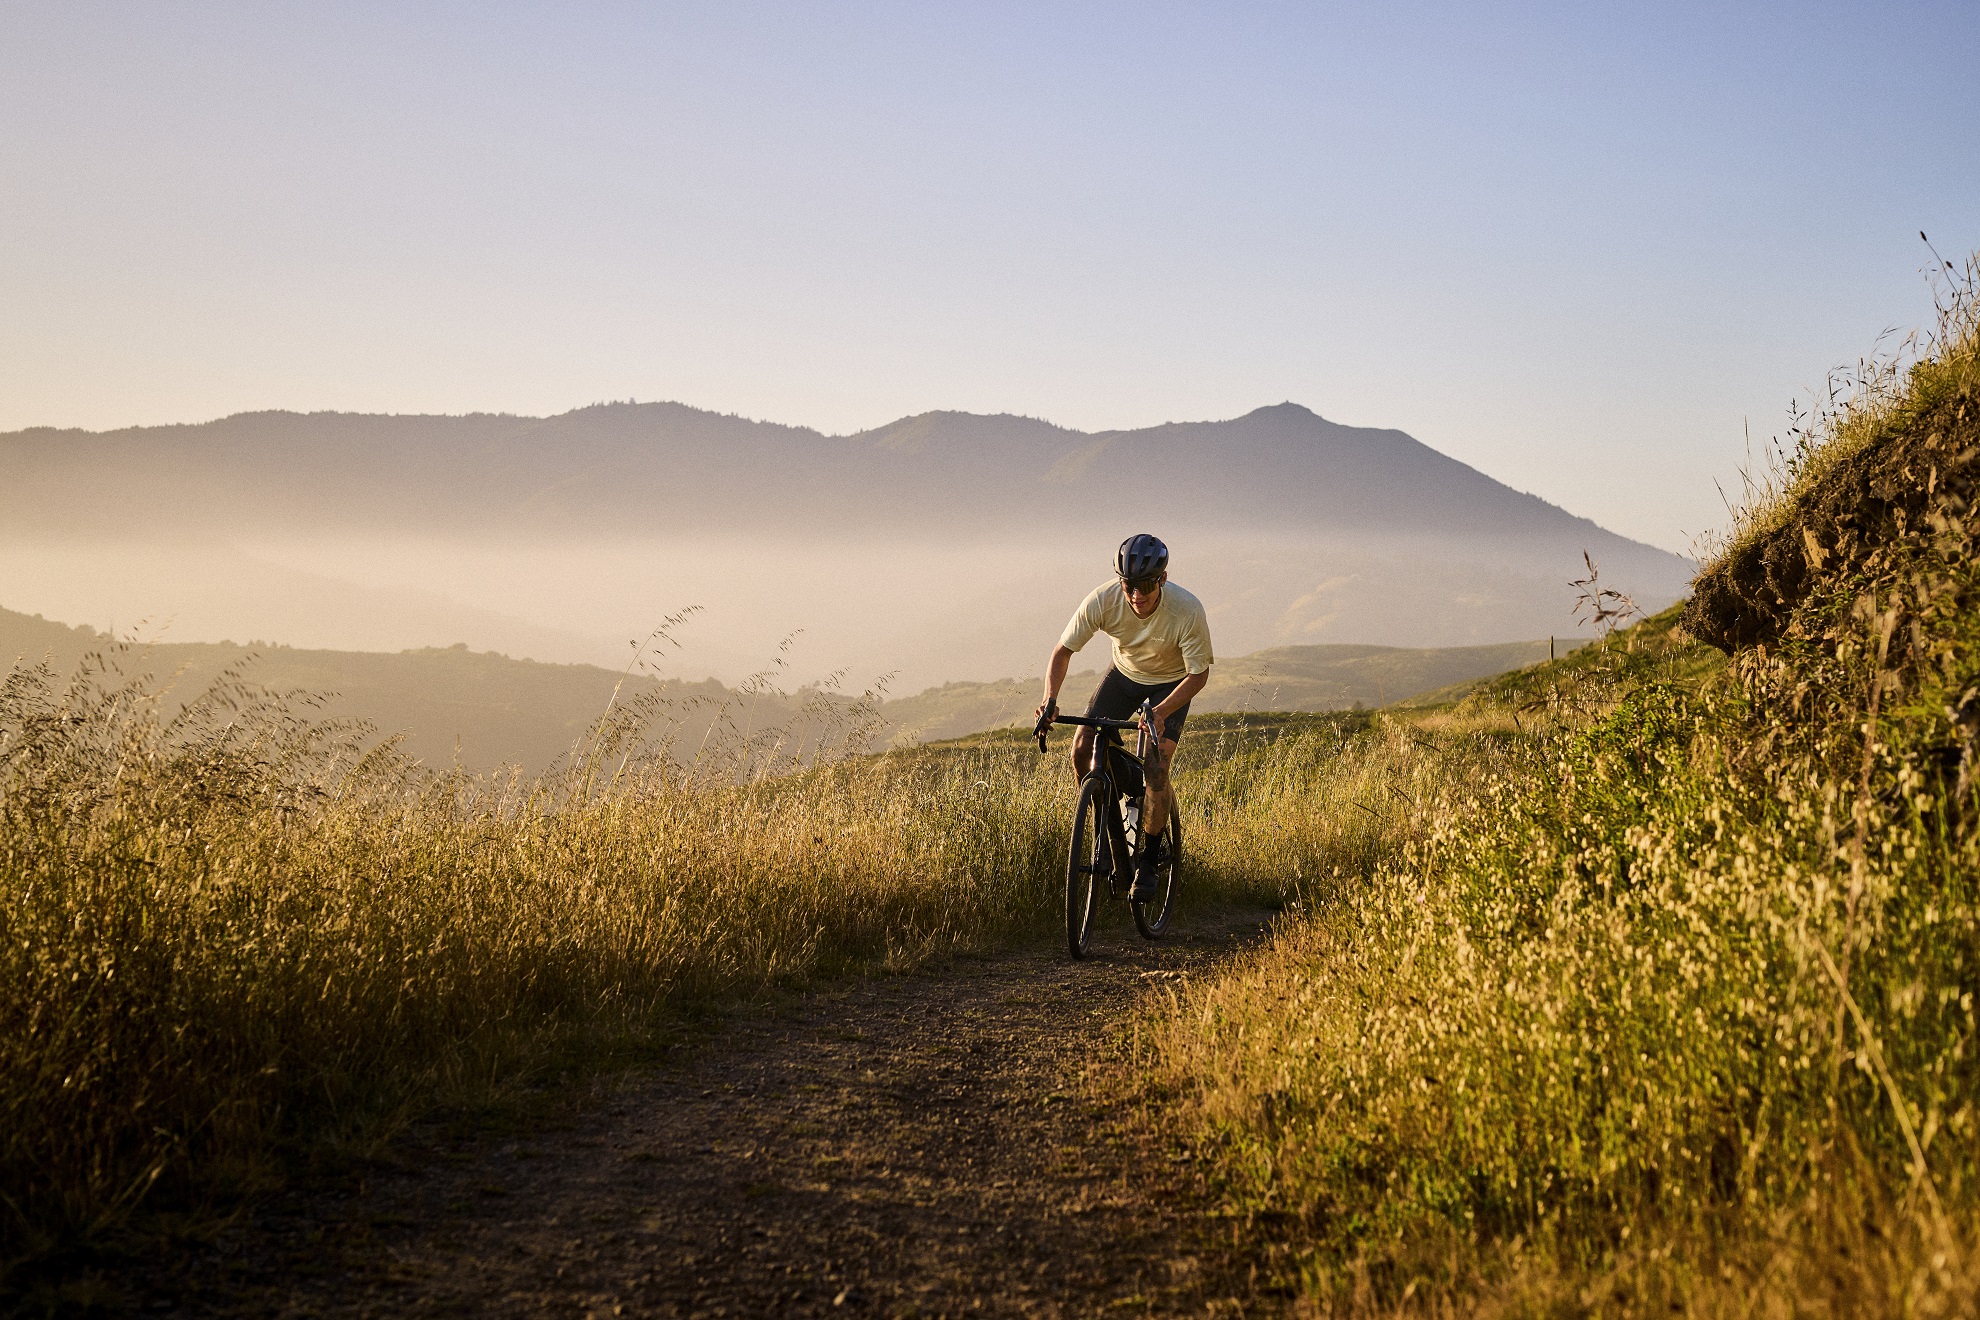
(1140, 586)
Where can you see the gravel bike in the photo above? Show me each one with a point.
(1107, 838)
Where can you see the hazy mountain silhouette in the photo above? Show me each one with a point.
(665, 467)
(1294, 529)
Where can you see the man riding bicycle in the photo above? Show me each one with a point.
(1161, 652)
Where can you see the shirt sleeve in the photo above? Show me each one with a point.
(1196, 643)
(1085, 622)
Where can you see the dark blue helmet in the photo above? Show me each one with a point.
(1141, 556)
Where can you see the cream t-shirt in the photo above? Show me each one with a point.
(1168, 645)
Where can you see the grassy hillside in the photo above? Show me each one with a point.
(234, 942)
(231, 939)
(1339, 677)
(1282, 678)
(452, 707)
(480, 710)
(234, 936)
(1642, 982)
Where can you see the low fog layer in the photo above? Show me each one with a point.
(449, 706)
(944, 547)
(928, 612)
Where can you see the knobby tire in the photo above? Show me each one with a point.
(1152, 918)
(1087, 862)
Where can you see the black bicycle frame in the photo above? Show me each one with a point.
(1107, 745)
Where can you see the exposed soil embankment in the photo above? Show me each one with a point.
(1909, 482)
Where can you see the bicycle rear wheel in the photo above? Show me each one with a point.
(1088, 862)
(1152, 918)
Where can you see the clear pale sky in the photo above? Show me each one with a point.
(1572, 245)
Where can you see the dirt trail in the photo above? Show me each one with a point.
(921, 1145)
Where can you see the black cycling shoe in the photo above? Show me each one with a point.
(1147, 876)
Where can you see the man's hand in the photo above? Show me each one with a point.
(1047, 709)
(1178, 698)
(1161, 714)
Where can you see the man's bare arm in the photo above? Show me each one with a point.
(1055, 677)
(1176, 700)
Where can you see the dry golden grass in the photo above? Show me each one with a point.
(237, 939)
(1659, 998)
(1561, 1038)
(231, 938)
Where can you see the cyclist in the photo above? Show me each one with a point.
(1161, 650)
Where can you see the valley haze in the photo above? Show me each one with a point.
(941, 547)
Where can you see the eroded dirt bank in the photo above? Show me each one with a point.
(922, 1145)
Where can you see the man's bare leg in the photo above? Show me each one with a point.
(1082, 752)
(1161, 794)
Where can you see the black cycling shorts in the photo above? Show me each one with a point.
(1119, 697)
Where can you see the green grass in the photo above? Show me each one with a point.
(1652, 989)
(1284, 679)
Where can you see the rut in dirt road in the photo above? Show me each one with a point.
(918, 1145)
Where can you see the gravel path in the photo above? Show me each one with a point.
(924, 1145)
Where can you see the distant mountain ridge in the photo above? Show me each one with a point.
(942, 546)
(666, 466)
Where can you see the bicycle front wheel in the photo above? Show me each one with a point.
(1152, 918)
(1088, 862)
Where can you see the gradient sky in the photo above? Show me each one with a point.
(1575, 246)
